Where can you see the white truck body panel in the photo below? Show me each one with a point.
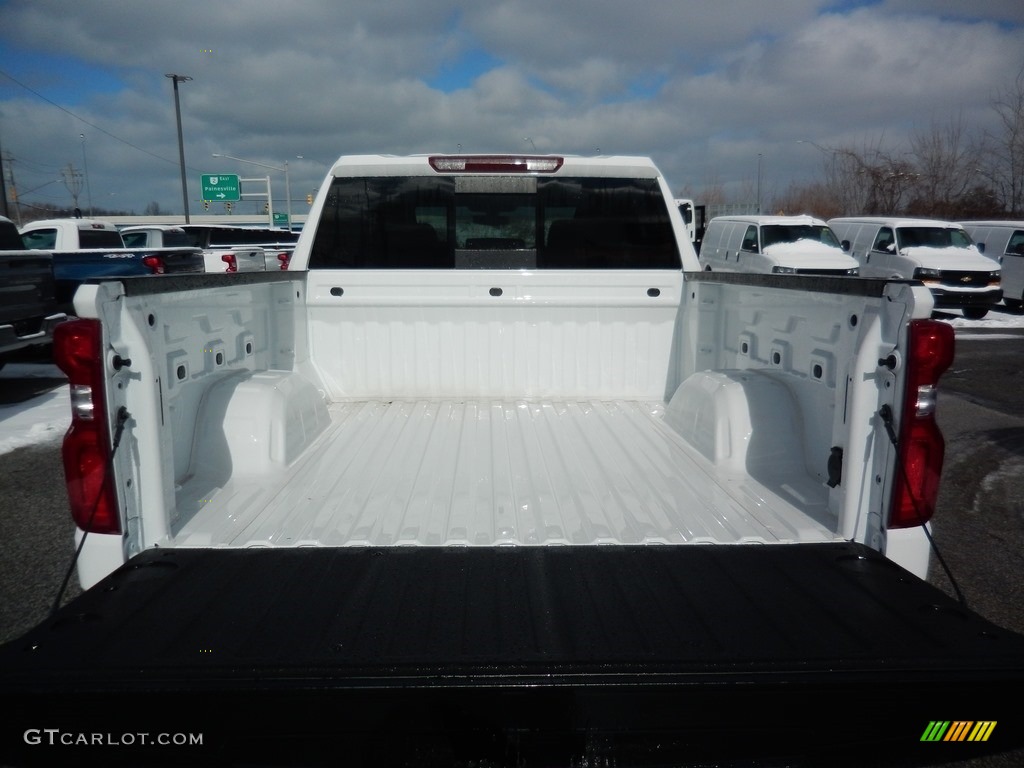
(483, 407)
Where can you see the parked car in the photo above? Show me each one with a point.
(939, 253)
(1004, 242)
(788, 245)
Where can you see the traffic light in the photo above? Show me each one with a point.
(206, 205)
(227, 206)
(309, 199)
(266, 207)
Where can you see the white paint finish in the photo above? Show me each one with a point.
(492, 472)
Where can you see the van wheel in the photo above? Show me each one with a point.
(707, 268)
(975, 313)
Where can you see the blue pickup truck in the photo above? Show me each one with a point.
(88, 249)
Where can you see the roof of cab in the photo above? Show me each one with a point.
(419, 164)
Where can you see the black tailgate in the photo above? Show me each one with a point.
(26, 289)
(521, 656)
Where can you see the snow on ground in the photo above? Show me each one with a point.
(40, 420)
(45, 418)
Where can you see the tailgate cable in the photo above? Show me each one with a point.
(885, 413)
(122, 418)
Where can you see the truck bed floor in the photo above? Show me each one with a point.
(525, 472)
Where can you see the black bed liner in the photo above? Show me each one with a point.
(630, 655)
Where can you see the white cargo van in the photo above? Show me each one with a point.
(1003, 241)
(789, 245)
(939, 253)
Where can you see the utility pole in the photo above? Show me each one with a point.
(14, 191)
(181, 146)
(73, 181)
(3, 187)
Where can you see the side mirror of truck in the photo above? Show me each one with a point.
(981, 247)
(845, 245)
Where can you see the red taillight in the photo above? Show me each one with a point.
(231, 261)
(495, 163)
(155, 264)
(921, 447)
(284, 257)
(78, 351)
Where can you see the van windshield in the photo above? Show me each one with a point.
(773, 234)
(932, 237)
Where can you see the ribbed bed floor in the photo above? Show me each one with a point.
(499, 472)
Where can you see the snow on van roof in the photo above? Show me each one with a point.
(1008, 224)
(772, 219)
(897, 221)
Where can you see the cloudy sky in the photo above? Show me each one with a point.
(712, 91)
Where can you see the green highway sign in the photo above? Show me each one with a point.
(281, 219)
(220, 187)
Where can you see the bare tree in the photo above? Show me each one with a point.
(814, 199)
(946, 165)
(1006, 152)
(870, 179)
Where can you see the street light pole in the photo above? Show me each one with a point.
(181, 145)
(287, 182)
(759, 183)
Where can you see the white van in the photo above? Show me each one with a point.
(789, 245)
(938, 253)
(1003, 241)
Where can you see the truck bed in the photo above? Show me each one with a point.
(628, 655)
(524, 472)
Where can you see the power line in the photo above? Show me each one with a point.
(82, 119)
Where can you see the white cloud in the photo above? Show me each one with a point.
(722, 83)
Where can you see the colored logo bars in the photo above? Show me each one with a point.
(958, 730)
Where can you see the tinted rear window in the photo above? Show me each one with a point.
(174, 238)
(226, 237)
(100, 238)
(494, 222)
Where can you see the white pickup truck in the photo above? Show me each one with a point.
(494, 474)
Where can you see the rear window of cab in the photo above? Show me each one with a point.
(494, 222)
